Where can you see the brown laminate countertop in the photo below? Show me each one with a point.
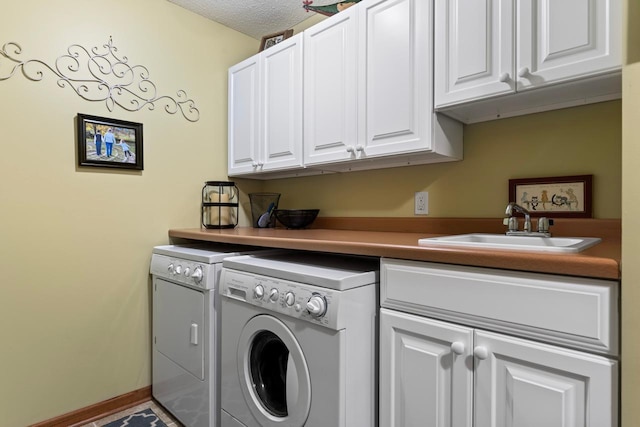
(600, 261)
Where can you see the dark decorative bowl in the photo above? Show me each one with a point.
(296, 218)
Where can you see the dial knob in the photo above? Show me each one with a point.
(290, 298)
(258, 291)
(273, 295)
(197, 274)
(178, 269)
(187, 271)
(170, 268)
(317, 306)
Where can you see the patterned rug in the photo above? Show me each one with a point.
(146, 418)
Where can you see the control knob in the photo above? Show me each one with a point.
(317, 306)
(178, 269)
(197, 274)
(187, 270)
(258, 291)
(289, 299)
(170, 268)
(273, 295)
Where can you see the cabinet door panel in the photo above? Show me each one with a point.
(396, 92)
(282, 105)
(423, 382)
(567, 39)
(473, 49)
(331, 89)
(244, 113)
(526, 384)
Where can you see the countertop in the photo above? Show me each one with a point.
(388, 238)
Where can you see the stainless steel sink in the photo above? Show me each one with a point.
(502, 241)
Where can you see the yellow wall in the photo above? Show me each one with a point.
(76, 243)
(630, 223)
(74, 294)
(575, 141)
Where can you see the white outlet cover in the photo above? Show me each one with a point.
(421, 203)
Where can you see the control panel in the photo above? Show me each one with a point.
(186, 272)
(302, 301)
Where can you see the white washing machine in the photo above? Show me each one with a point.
(186, 336)
(298, 344)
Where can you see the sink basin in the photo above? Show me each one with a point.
(502, 241)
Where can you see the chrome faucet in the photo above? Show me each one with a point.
(512, 221)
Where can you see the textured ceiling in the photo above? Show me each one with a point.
(256, 18)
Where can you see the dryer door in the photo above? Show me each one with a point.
(274, 376)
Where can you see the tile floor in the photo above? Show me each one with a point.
(159, 410)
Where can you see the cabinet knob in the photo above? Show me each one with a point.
(350, 150)
(504, 77)
(457, 347)
(523, 71)
(359, 148)
(261, 164)
(481, 352)
(254, 164)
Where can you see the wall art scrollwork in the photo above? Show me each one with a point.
(99, 75)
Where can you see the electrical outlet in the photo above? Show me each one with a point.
(422, 203)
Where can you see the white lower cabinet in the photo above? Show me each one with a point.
(458, 373)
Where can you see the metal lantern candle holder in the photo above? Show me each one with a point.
(219, 204)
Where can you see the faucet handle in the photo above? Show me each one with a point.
(543, 224)
(511, 222)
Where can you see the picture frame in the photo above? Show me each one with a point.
(275, 38)
(555, 197)
(94, 150)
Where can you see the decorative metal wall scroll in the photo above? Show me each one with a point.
(101, 75)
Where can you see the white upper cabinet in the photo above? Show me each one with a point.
(474, 49)
(395, 105)
(265, 110)
(368, 100)
(244, 115)
(490, 48)
(331, 89)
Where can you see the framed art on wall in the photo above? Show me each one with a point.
(109, 143)
(273, 39)
(566, 196)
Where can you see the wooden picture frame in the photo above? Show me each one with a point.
(555, 197)
(95, 149)
(275, 38)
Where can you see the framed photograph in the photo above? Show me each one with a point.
(559, 197)
(273, 39)
(109, 143)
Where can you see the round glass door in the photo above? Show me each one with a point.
(274, 374)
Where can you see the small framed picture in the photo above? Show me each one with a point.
(273, 39)
(109, 143)
(567, 196)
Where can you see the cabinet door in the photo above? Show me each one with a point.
(526, 384)
(424, 377)
(568, 39)
(281, 123)
(330, 89)
(474, 44)
(396, 99)
(244, 113)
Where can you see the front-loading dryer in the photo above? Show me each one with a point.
(185, 326)
(298, 340)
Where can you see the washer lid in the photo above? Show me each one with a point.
(209, 253)
(339, 272)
